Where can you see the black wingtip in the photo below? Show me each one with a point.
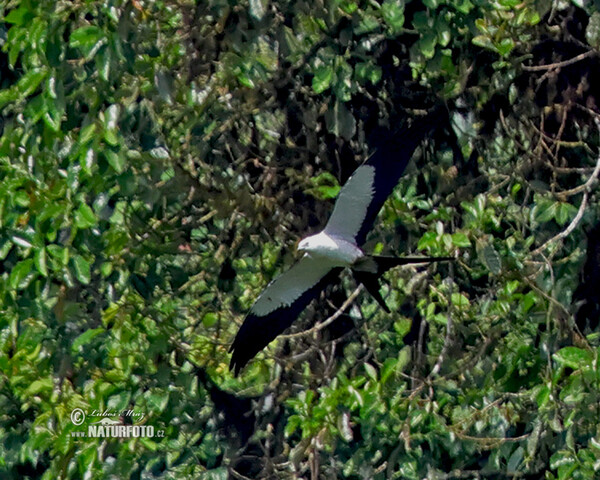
(235, 368)
(236, 365)
(240, 356)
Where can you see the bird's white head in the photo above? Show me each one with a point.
(305, 245)
(316, 245)
(312, 244)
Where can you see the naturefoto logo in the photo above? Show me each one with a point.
(109, 424)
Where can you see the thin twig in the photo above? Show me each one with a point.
(567, 231)
(586, 188)
(564, 63)
(449, 330)
(329, 321)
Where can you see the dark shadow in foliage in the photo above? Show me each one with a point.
(15, 423)
(238, 417)
(587, 294)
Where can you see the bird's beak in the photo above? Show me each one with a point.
(298, 248)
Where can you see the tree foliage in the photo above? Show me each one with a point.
(158, 162)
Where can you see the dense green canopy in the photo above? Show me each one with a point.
(158, 162)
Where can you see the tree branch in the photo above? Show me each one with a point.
(329, 321)
(586, 188)
(564, 63)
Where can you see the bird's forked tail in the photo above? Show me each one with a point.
(369, 268)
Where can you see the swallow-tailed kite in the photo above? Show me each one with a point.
(327, 253)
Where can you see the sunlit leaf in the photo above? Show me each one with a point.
(574, 357)
(82, 269)
(85, 338)
(31, 80)
(322, 79)
(87, 39)
(40, 261)
(393, 14)
(22, 274)
(460, 240)
(84, 216)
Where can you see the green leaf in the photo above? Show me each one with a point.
(592, 32)
(21, 198)
(245, 80)
(52, 118)
(460, 301)
(39, 259)
(322, 79)
(427, 44)
(116, 161)
(366, 71)
(157, 399)
(463, 6)
(505, 46)
(342, 87)
(119, 402)
(87, 39)
(8, 95)
(258, 8)
(39, 386)
(111, 137)
(562, 458)
(22, 274)
(427, 241)
(371, 372)
(393, 14)
(348, 7)
(564, 213)
(82, 269)
(483, 41)
(87, 133)
(5, 247)
(84, 216)
(19, 16)
(515, 460)
(85, 338)
(389, 367)
(575, 358)
(104, 63)
(492, 259)
(106, 269)
(325, 186)
(209, 319)
(111, 118)
(86, 459)
(31, 80)
(59, 253)
(545, 210)
(460, 240)
(340, 121)
(22, 242)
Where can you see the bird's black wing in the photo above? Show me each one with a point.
(364, 193)
(278, 306)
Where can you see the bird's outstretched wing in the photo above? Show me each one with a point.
(278, 306)
(363, 195)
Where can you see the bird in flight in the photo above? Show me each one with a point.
(337, 247)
